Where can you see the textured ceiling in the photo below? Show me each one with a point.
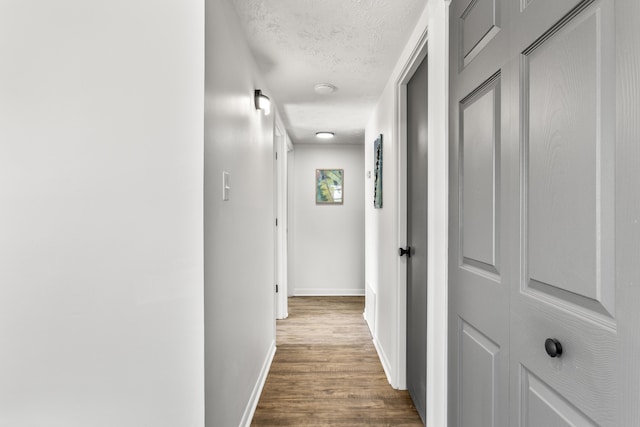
(352, 44)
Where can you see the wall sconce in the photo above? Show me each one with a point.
(262, 102)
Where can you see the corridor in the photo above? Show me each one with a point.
(326, 371)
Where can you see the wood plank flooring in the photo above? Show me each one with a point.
(326, 371)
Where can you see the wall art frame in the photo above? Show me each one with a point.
(329, 186)
(377, 182)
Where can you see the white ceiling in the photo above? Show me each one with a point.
(352, 44)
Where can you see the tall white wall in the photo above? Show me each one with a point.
(326, 253)
(381, 247)
(239, 233)
(101, 320)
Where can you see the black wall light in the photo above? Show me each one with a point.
(262, 102)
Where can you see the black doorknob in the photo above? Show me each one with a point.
(405, 251)
(553, 347)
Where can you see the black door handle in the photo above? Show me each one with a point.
(553, 347)
(405, 251)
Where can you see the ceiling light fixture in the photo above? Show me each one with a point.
(262, 102)
(324, 88)
(325, 135)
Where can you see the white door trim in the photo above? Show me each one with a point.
(438, 213)
(281, 177)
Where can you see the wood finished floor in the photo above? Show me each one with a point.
(326, 371)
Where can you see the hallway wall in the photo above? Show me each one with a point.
(381, 308)
(326, 253)
(239, 233)
(101, 213)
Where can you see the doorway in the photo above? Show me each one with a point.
(280, 207)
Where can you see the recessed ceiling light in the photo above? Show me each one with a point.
(324, 88)
(325, 135)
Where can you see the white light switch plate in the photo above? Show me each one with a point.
(225, 186)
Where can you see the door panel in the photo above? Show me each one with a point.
(542, 406)
(417, 238)
(569, 184)
(477, 376)
(479, 177)
(479, 24)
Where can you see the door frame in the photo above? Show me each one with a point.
(400, 134)
(281, 149)
(437, 206)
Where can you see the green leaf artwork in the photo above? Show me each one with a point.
(329, 184)
(377, 189)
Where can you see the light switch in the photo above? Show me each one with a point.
(225, 186)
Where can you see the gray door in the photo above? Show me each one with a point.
(544, 144)
(478, 262)
(417, 237)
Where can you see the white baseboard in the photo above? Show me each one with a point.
(257, 389)
(370, 309)
(385, 363)
(328, 292)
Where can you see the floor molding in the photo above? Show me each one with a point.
(329, 292)
(257, 389)
(385, 363)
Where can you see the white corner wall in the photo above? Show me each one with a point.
(326, 252)
(239, 233)
(101, 320)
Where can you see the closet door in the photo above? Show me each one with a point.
(544, 238)
(478, 264)
(565, 305)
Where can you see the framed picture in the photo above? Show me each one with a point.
(377, 157)
(329, 186)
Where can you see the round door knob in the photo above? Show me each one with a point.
(553, 347)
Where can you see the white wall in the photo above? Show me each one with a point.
(239, 233)
(101, 320)
(381, 248)
(326, 254)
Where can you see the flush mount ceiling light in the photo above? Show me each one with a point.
(324, 88)
(262, 102)
(325, 135)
